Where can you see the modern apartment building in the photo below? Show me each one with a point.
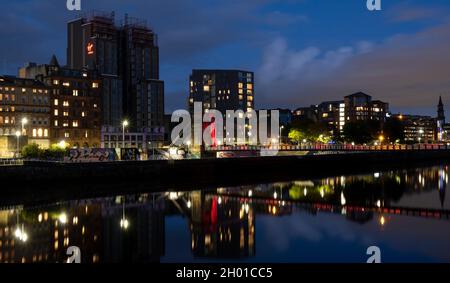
(222, 90)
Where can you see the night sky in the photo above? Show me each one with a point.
(302, 51)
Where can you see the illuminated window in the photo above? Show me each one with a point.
(206, 88)
(56, 112)
(83, 114)
(66, 103)
(34, 132)
(66, 84)
(75, 92)
(94, 85)
(40, 133)
(65, 113)
(75, 124)
(240, 85)
(66, 135)
(249, 86)
(34, 90)
(56, 102)
(250, 98)
(66, 124)
(55, 82)
(6, 120)
(192, 83)
(95, 105)
(55, 123)
(241, 91)
(86, 134)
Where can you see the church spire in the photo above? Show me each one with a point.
(441, 113)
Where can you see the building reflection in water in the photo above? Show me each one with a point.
(92, 225)
(221, 221)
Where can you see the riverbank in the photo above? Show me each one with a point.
(41, 180)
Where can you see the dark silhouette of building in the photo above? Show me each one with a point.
(440, 121)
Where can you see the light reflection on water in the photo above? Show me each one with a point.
(405, 213)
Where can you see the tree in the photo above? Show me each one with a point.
(361, 132)
(296, 136)
(309, 130)
(31, 151)
(394, 130)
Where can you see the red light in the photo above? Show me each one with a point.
(90, 48)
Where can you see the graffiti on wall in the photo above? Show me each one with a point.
(91, 155)
(130, 154)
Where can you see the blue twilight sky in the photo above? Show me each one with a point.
(302, 51)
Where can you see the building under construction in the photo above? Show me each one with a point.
(126, 54)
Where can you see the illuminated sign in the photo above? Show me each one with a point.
(90, 48)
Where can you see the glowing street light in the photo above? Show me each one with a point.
(124, 223)
(21, 234)
(381, 138)
(62, 144)
(281, 128)
(382, 221)
(188, 143)
(124, 125)
(62, 218)
(18, 141)
(24, 122)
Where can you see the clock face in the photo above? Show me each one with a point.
(90, 48)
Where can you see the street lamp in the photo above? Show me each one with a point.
(124, 223)
(188, 143)
(124, 124)
(24, 122)
(281, 128)
(381, 138)
(18, 141)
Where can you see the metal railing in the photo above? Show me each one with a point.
(330, 147)
(11, 162)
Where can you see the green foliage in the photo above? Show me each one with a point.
(33, 151)
(310, 131)
(296, 136)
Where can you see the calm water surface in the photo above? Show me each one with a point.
(405, 213)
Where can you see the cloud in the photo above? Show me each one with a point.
(407, 13)
(407, 70)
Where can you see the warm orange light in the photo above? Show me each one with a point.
(382, 220)
(90, 48)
